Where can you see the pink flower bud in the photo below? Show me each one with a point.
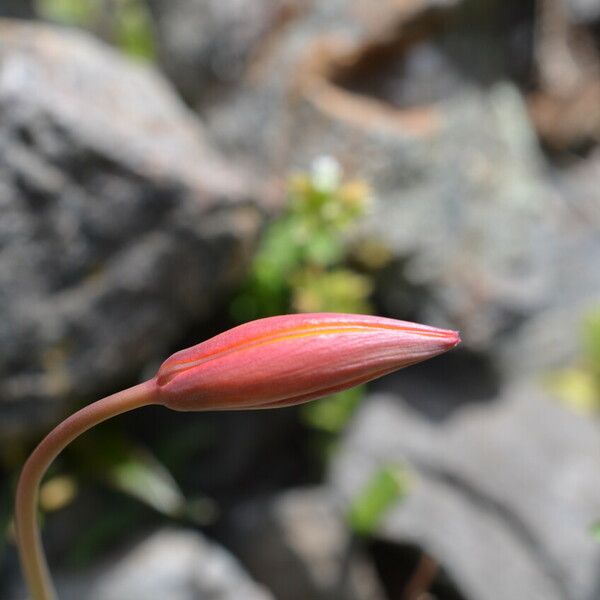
(291, 359)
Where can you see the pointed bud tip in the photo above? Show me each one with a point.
(453, 339)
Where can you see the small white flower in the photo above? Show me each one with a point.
(326, 173)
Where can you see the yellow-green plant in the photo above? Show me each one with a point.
(387, 486)
(302, 266)
(579, 385)
(124, 23)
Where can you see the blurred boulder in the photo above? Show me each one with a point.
(23, 9)
(298, 544)
(119, 224)
(216, 50)
(460, 203)
(170, 563)
(206, 46)
(407, 97)
(502, 496)
(583, 11)
(486, 243)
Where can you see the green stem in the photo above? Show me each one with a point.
(31, 551)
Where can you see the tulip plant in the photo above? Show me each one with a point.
(268, 363)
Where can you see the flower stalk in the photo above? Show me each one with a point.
(268, 363)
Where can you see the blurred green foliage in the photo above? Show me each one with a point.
(591, 342)
(101, 533)
(579, 385)
(331, 416)
(388, 486)
(339, 290)
(596, 531)
(6, 509)
(70, 12)
(111, 457)
(123, 23)
(302, 266)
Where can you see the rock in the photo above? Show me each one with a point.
(583, 11)
(258, 122)
(481, 239)
(551, 336)
(23, 9)
(460, 204)
(119, 224)
(502, 495)
(297, 544)
(170, 563)
(205, 47)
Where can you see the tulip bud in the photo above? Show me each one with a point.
(267, 363)
(285, 360)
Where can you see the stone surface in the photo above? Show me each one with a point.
(119, 225)
(459, 203)
(205, 47)
(482, 240)
(170, 563)
(502, 495)
(298, 544)
(583, 11)
(17, 8)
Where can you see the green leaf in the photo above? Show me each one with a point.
(132, 469)
(297, 267)
(324, 249)
(577, 388)
(591, 340)
(595, 530)
(280, 251)
(135, 34)
(333, 413)
(385, 489)
(338, 290)
(143, 477)
(126, 23)
(69, 12)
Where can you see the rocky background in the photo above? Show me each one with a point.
(134, 191)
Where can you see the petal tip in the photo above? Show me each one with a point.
(455, 339)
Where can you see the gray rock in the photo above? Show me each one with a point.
(551, 336)
(459, 202)
(493, 248)
(298, 544)
(119, 225)
(170, 563)
(481, 239)
(502, 495)
(259, 122)
(583, 11)
(206, 46)
(17, 8)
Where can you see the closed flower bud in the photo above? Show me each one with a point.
(285, 360)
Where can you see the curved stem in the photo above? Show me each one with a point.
(31, 552)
